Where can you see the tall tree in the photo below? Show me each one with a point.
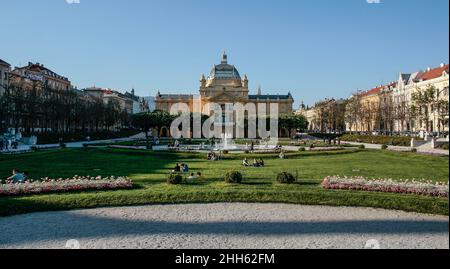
(422, 105)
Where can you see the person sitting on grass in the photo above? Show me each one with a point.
(245, 163)
(282, 155)
(177, 168)
(192, 178)
(261, 163)
(184, 168)
(255, 163)
(16, 177)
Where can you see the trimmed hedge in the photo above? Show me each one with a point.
(378, 139)
(54, 138)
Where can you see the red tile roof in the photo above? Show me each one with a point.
(433, 73)
(378, 89)
(372, 91)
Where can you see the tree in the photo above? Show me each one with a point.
(146, 122)
(353, 111)
(401, 111)
(442, 107)
(293, 122)
(422, 105)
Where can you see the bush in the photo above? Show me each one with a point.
(233, 177)
(361, 147)
(301, 149)
(444, 146)
(414, 150)
(285, 178)
(226, 152)
(85, 146)
(62, 145)
(384, 147)
(174, 179)
(34, 148)
(312, 146)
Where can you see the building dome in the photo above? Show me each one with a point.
(224, 70)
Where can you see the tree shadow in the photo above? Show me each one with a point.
(68, 225)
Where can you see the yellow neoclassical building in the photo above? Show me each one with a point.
(224, 85)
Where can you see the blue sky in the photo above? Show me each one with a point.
(313, 48)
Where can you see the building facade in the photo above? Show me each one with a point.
(126, 102)
(408, 84)
(224, 85)
(37, 73)
(5, 69)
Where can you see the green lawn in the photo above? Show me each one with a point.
(149, 170)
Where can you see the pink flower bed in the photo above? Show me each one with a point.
(427, 188)
(76, 183)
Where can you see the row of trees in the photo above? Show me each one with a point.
(386, 114)
(43, 109)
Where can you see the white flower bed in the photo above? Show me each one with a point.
(427, 188)
(76, 183)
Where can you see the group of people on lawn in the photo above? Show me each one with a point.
(256, 163)
(7, 145)
(212, 156)
(184, 168)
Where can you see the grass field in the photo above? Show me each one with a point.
(149, 171)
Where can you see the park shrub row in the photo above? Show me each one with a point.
(234, 177)
(55, 138)
(378, 139)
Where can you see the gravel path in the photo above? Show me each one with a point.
(225, 226)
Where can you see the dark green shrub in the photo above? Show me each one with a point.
(414, 150)
(226, 152)
(34, 148)
(312, 146)
(174, 179)
(301, 149)
(384, 147)
(63, 145)
(285, 178)
(361, 147)
(233, 177)
(378, 139)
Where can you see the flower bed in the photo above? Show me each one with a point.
(427, 188)
(76, 183)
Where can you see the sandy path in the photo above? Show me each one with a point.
(225, 226)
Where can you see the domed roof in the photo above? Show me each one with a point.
(224, 70)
